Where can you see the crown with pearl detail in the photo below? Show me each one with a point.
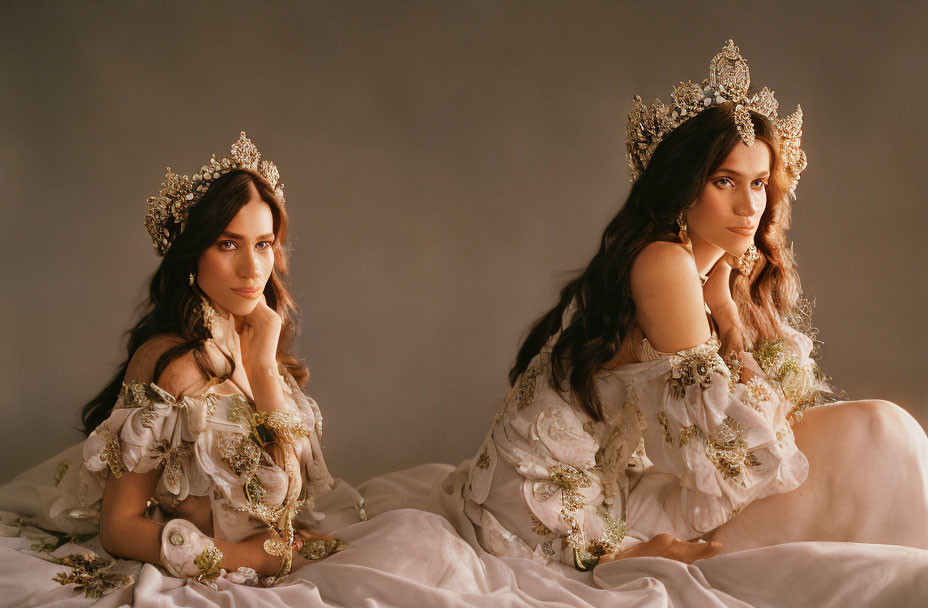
(167, 212)
(729, 82)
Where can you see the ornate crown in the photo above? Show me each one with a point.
(729, 81)
(167, 212)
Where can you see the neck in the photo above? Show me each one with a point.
(705, 253)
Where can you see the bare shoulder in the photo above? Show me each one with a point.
(668, 297)
(181, 376)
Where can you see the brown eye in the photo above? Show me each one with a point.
(226, 245)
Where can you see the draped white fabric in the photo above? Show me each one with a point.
(419, 549)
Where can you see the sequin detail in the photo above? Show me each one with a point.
(727, 449)
(695, 366)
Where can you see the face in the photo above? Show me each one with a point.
(727, 212)
(233, 271)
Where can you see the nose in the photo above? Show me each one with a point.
(248, 265)
(748, 202)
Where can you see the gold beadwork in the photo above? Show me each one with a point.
(694, 366)
(570, 480)
(483, 461)
(687, 433)
(525, 394)
(662, 419)
(60, 471)
(321, 548)
(167, 212)
(286, 426)
(745, 263)
(112, 455)
(538, 527)
(729, 82)
(208, 561)
(797, 382)
(727, 449)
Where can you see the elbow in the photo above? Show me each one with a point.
(108, 538)
(115, 539)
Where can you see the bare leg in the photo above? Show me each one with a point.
(868, 482)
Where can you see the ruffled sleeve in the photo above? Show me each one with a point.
(725, 443)
(148, 429)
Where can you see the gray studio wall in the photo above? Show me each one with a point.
(447, 166)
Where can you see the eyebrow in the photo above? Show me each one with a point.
(738, 174)
(231, 235)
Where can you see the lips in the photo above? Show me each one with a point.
(248, 293)
(743, 231)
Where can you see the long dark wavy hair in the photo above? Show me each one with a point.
(173, 305)
(676, 174)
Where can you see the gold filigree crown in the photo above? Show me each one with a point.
(729, 82)
(167, 212)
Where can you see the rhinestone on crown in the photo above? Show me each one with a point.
(729, 81)
(167, 212)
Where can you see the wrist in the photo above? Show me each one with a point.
(188, 553)
(726, 314)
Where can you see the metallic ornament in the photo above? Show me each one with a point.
(167, 212)
(729, 82)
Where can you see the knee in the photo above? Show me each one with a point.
(882, 422)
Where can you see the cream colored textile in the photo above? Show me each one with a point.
(419, 550)
(683, 447)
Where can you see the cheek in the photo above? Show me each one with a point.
(709, 209)
(212, 269)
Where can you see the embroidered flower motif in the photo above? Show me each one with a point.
(694, 366)
(727, 449)
(89, 574)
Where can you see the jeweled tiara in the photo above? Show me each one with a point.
(729, 81)
(167, 212)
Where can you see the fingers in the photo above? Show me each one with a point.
(690, 552)
(665, 545)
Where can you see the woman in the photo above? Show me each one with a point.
(205, 426)
(664, 394)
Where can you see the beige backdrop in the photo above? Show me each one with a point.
(447, 166)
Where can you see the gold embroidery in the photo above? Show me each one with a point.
(208, 561)
(525, 394)
(537, 527)
(799, 383)
(695, 366)
(286, 426)
(112, 455)
(728, 451)
(570, 480)
(89, 574)
(483, 461)
(687, 433)
(662, 418)
(170, 460)
(241, 454)
(613, 533)
(60, 471)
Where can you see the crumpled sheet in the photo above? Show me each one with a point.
(418, 549)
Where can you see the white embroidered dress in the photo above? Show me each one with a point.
(683, 447)
(210, 446)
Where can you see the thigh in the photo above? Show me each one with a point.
(868, 482)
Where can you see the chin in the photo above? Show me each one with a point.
(238, 309)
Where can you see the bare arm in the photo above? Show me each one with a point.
(124, 529)
(670, 311)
